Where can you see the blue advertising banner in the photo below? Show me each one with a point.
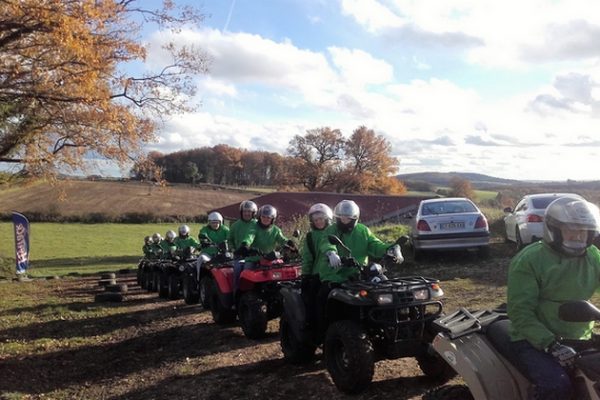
(21, 225)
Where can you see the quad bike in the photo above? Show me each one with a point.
(196, 277)
(368, 319)
(257, 299)
(170, 276)
(476, 345)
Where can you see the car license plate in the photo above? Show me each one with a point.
(452, 225)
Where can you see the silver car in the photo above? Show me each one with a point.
(525, 224)
(449, 223)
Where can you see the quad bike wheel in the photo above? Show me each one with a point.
(173, 287)
(294, 350)
(191, 294)
(108, 297)
(163, 285)
(349, 356)
(204, 292)
(449, 392)
(435, 367)
(252, 313)
(221, 315)
(108, 275)
(155, 281)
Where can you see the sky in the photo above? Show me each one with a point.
(504, 88)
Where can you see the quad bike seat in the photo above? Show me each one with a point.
(498, 335)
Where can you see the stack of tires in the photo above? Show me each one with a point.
(113, 291)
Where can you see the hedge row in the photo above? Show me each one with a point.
(99, 218)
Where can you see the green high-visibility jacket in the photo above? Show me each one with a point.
(267, 240)
(155, 250)
(242, 232)
(310, 251)
(360, 241)
(540, 279)
(216, 236)
(168, 250)
(147, 250)
(184, 243)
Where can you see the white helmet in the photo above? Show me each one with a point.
(156, 238)
(147, 239)
(571, 213)
(267, 211)
(248, 205)
(170, 236)
(215, 216)
(320, 209)
(184, 230)
(348, 209)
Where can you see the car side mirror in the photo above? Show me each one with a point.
(508, 210)
(578, 311)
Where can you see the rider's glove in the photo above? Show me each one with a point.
(565, 355)
(334, 260)
(396, 253)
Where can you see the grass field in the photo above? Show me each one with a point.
(60, 249)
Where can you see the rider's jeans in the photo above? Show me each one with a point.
(238, 267)
(550, 379)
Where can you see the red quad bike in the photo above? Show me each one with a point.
(258, 299)
(197, 281)
(368, 319)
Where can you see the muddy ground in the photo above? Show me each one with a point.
(148, 348)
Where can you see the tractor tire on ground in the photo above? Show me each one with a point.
(436, 368)
(252, 314)
(106, 282)
(204, 292)
(173, 286)
(449, 392)
(294, 351)
(221, 315)
(110, 275)
(349, 356)
(191, 294)
(108, 296)
(163, 285)
(118, 288)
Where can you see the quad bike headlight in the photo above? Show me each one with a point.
(421, 294)
(383, 299)
(181, 268)
(436, 290)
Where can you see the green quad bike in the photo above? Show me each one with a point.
(372, 318)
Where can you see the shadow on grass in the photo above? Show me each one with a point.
(272, 379)
(42, 373)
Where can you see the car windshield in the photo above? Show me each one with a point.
(447, 207)
(540, 203)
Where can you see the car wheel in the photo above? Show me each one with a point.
(518, 240)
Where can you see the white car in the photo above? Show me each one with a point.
(525, 224)
(447, 224)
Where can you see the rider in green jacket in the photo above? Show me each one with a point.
(168, 246)
(242, 231)
(184, 241)
(361, 242)
(147, 247)
(213, 233)
(564, 266)
(268, 236)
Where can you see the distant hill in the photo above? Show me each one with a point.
(79, 197)
(479, 181)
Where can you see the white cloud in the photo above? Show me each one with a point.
(358, 67)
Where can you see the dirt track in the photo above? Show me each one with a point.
(156, 349)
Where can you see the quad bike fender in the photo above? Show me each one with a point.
(294, 309)
(487, 374)
(224, 279)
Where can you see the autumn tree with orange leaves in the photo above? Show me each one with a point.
(65, 91)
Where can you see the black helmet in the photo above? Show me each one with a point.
(267, 211)
(248, 205)
(574, 213)
(346, 209)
